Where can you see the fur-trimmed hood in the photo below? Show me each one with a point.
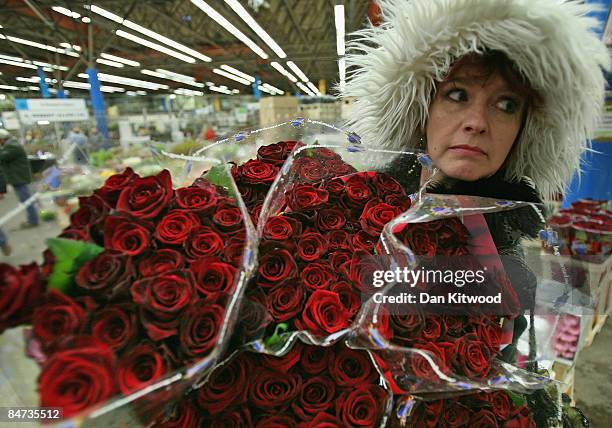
(550, 41)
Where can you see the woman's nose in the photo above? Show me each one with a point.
(475, 119)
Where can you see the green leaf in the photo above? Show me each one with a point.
(517, 399)
(70, 256)
(276, 337)
(219, 176)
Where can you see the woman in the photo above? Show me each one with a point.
(502, 94)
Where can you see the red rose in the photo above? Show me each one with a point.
(330, 219)
(203, 242)
(115, 325)
(139, 367)
(362, 407)
(21, 290)
(406, 328)
(348, 296)
(357, 191)
(303, 197)
(227, 386)
(324, 314)
(102, 274)
(323, 420)
(311, 246)
(271, 392)
(310, 170)
(364, 241)
(256, 172)
(490, 333)
(422, 242)
(338, 167)
(339, 240)
(456, 415)
(285, 301)
(75, 234)
(76, 378)
(175, 227)
(199, 328)
(234, 251)
(471, 357)
(274, 154)
(285, 362)
(58, 317)
(501, 405)
(483, 419)
(276, 421)
(161, 261)
(350, 367)
(162, 298)
(255, 213)
(280, 228)
(213, 276)
(317, 276)
(361, 270)
(386, 184)
(335, 188)
(316, 396)
(290, 145)
(276, 266)
(375, 215)
(401, 202)
(239, 417)
(338, 259)
(521, 418)
(92, 210)
(422, 368)
(183, 415)
(253, 321)
(228, 218)
(145, 197)
(432, 329)
(201, 199)
(315, 359)
(434, 411)
(251, 194)
(125, 235)
(455, 325)
(114, 185)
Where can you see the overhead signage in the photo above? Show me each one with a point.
(33, 110)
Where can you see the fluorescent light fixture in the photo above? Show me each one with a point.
(33, 88)
(273, 88)
(242, 13)
(47, 65)
(313, 88)
(43, 122)
(9, 87)
(342, 73)
(237, 73)
(231, 76)
(305, 89)
(339, 19)
(216, 16)
(222, 90)
(81, 85)
(188, 92)
(66, 12)
(282, 71)
(86, 19)
(155, 46)
(35, 79)
(169, 75)
(126, 81)
(235, 91)
(17, 64)
(111, 63)
(297, 71)
(11, 58)
(152, 34)
(119, 59)
(39, 45)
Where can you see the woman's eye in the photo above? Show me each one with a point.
(508, 105)
(457, 95)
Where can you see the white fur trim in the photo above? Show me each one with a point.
(550, 41)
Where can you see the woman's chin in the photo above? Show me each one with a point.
(465, 173)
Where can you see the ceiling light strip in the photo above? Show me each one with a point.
(121, 60)
(339, 20)
(293, 66)
(231, 76)
(237, 73)
(154, 46)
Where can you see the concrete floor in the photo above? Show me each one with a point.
(593, 390)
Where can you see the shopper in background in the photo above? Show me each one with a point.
(96, 140)
(16, 167)
(81, 154)
(4, 245)
(502, 94)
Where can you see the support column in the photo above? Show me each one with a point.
(42, 83)
(97, 102)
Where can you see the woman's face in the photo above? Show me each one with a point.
(473, 122)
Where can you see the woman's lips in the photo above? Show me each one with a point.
(468, 150)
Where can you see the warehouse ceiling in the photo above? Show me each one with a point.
(304, 29)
